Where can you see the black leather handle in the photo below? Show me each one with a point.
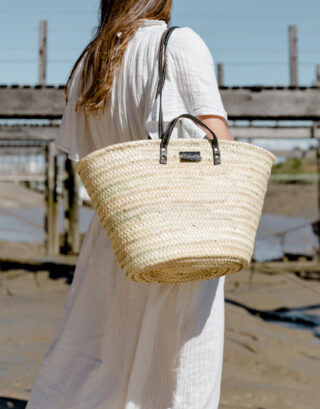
(166, 137)
(162, 65)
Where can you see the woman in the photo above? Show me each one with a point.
(121, 344)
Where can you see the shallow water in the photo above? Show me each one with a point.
(276, 234)
(27, 224)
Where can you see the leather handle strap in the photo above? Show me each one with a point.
(162, 65)
(166, 137)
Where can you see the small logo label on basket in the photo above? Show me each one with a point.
(190, 156)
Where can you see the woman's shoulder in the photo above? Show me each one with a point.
(187, 39)
(185, 33)
(188, 53)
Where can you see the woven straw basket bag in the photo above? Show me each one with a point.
(182, 211)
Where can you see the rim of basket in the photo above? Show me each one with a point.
(132, 144)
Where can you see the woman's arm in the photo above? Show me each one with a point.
(218, 126)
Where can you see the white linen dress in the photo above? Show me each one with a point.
(121, 344)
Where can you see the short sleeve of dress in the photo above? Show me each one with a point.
(193, 65)
(73, 134)
(190, 86)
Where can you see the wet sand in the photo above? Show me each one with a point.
(266, 365)
(296, 200)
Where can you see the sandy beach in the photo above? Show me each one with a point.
(266, 365)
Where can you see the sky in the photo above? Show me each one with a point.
(250, 38)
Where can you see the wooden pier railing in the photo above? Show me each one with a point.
(45, 102)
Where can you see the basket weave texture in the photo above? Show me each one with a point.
(180, 221)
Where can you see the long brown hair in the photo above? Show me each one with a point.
(103, 55)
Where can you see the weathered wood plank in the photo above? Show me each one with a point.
(42, 102)
(23, 178)
(23, 132)
(281, 132)
(240, 102)
(19, 150)
(47, 133)
(272, 103)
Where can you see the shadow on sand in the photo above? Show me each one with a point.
(55, 270)
(291, 317)
(6, 403)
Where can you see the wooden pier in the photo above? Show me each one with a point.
(47, 103)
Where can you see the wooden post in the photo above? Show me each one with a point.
(318, 170)
(318, 75)
(220, 75)
(51, 201)
(42, 52)
(71, 213)
(317, 124)
(293, 40)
